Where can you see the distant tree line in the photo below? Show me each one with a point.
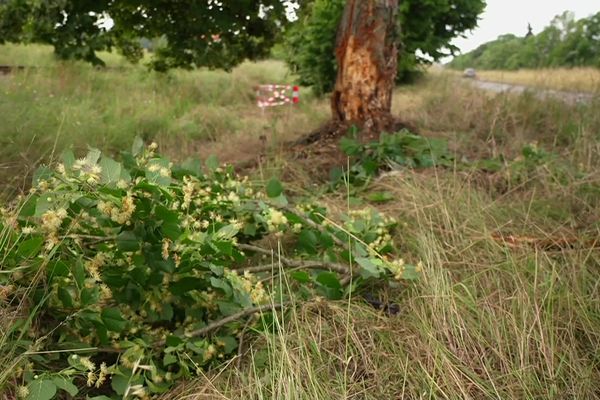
(566, 42)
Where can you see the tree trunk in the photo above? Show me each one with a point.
(367, 58)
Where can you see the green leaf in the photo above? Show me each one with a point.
(88, 296)
(228, 308)
(119, 384)
(102, 332)
(174, 341)
(112, 319)
(93, 156)
(274, 188)
(301, 276)
(212, 162)
(261, 358)
(227, 232)
(350, 146)
(137, 147)
(230, 343)
(111, 170)
(65, 297)
(66, 385)
(223, 247)
(158, 388)
(127, 241)
(57, 268)
(167, 312)
(28, 208)
(41, 389)
(330, 285)
(185, 285)
(221, 284)
(280, 201)
(169, 222)
(410, 272)
(79, 273)
(169, 359)
(192, 165)
(307, 241)
(43, 204)
(31, 247)
(370, 268)
(42, 174)
(329, 279)
(68, 159)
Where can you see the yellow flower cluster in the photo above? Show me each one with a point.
(250, 285)
(397, 268)
(51, 222)
(105, 293)
(120, 215)
(137, 391)
(87, 363)
(210, 352)
(89, 171)
(275, 219)
(22, 392)
(6, 291)
(188, 192)
(162, 171)
(166, 244)
(104, 372)
(94, 265)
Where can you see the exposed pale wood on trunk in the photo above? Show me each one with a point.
(367, 58)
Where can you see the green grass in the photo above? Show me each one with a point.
(509, 303)
(48, 109)
(43, 56)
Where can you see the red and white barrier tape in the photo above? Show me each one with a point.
(276, 95)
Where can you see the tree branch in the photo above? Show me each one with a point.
(232, 318)
(340, 268)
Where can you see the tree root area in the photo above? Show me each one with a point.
(319, 152)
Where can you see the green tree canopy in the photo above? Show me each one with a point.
(566, 42)
(426, 29)
(216, 34)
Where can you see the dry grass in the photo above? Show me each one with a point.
(569, 80)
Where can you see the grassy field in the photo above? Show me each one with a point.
(586, 80)
(509, 303)
(59, 105)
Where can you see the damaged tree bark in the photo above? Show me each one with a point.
(367, 58)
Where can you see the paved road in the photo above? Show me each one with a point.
(568, 97)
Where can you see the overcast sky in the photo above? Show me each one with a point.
(512, 16)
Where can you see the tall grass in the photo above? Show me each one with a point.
(481, 124)
(77, 106)
(30, 55)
